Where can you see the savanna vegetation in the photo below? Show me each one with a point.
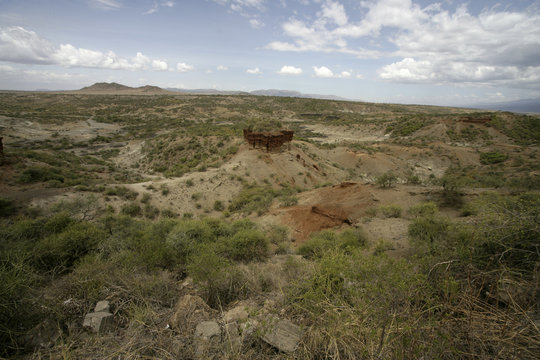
(464, 285)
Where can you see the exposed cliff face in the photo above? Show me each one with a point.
(268, 140)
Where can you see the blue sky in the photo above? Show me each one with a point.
(449, 52)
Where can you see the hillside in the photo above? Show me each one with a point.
(114, 88)
(379, 231)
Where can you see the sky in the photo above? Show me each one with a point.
(447, 52)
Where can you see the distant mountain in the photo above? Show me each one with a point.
(207, 91)
(115, 88)
(290, 93)
(519, 106)
(103, 86)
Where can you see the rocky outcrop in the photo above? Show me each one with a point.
(270, 141)
(101, 319)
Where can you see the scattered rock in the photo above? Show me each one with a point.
(207, 339)
(44, 335)
(99, 321)
(102, 306)
(237, 314)
(282, 334)
(207, 330)
(189, 311)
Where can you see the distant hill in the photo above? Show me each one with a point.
(208, 91)
(518, 106)
(290, 93)
(269, 92)
(115, 88)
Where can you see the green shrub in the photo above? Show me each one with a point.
(132, 209)
(390, 211)
(7, 208)
(493, 157)
(17, 309)
(187, 235)
(150, 211)
(222, 282)
(218, 205)
(59, 252)
(288, 200)
(352, 238)
(122, 192)
(41, 174)
(247, 245)
(327, 240)
(386, 180)
(423, 209)
(252, 198)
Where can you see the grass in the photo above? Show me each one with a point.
(464, 291)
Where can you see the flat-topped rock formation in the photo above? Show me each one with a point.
(268, 140)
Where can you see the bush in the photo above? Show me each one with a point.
(390, 211)
(218, 205)
(7, 208)
(41, 174)
(132, 210)
(59, 252)
(187, 235)
(122, 192)
(423, 209)
(386, 180)
(253, 198)
(17, 311)
(327, 240)
(247, 245)
(493, 157)
(222, 282)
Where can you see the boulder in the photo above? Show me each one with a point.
(282, 334)
(207, 339)
(102, 306)
(189, 311)
(207, 330)
(99, 321)
(237, 314)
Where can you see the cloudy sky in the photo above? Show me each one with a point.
(451, 52)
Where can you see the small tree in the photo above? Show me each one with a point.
(386, 180)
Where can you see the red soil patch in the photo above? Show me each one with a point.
(326, 208)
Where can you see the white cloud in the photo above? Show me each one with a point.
(160, 65)
(344, 75)
(323, 72)
(106, 4)
(255, 71)
(222, 68)
(23, 46)
(495, 46)
(19, 45)
(155, 8)
(256, 23)
(461, 73)
(334, 11)
(290, 70)
(6, 68)
(183, 67)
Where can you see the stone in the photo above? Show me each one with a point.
(102, 306)
(232, 335)
(99, 321)
(237, 314)
(207, 339)
(43, 335)
(282, 334)
(207, 330)
(189, 311)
